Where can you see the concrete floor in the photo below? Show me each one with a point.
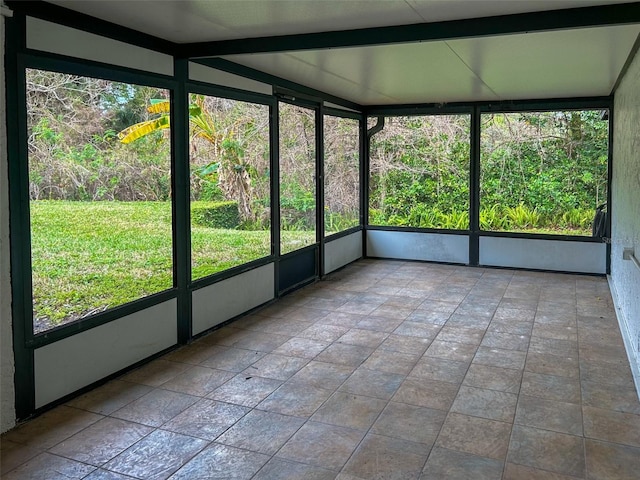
(385, 370)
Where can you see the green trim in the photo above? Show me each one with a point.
(181, 199)
(627, 64)
(91, 68)
(287, 85)
(20, 238)
(87, 23)
(618, 14)
(474, 186)
(319, 115)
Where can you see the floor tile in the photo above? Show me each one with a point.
(409, 422)
(322, 445)
(429, 316)
(259, 341)
(341, 354)
(608, 461)
(101, 441)
(277, 469)
(556, 452)
(441, 369)
(323, 333)
(198, 381)
(52, 427)
(472, 336)
(454, 465)
(49, 467)
(14, 454)
(478, 436)
(610, 374)
(363, 338)
(155, 373)
(491, 404)
(156, 407)
(508, 314)
(562, 366)
(551, 387)
(262, 432)
(277, 367)
(156, 456)
(551, 346)
(513, 327)
(301, 347)
(601, 395)
(300, 400)
(459, 352)
(426, 393)
(519, 472)
(232, 359)
(110, 397)
(245, 390)
(322, 375)
(404, 344)
(206, 419)
(383, 457)
(101, 474)
(379, 324)
(372, 383)
(349, 410)
(612, 426)
(549, 415)
(222, 462)
(416, 329)
(498, 357)
(342, 319)
(391, 362)
(493, 378)
(506, 341)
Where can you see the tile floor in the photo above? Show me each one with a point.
(386, 370)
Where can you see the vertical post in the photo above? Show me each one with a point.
(274, 120)
(320, 188)
(364, 182)
(609, 181)
(474, 189)
(20, 234)
(181, 198)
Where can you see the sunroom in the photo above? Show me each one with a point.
(173, 168)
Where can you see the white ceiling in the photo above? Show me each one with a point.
(551, 64)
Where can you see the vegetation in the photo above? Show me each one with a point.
(541, 172)
(101, 189)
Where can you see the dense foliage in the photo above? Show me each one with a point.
(540, 171)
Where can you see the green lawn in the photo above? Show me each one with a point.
(90, 256)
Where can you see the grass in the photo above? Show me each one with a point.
(91, 256)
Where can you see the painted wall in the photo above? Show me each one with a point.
(625, 220)
(7, 412)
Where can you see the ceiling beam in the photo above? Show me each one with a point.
(605, 15)
(80, 21)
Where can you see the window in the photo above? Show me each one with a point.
(419, 172)
(543, 172)
(100, 195)
(341, 173)
(230, 183)
(297, 177)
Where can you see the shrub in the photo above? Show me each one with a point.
(215, 214)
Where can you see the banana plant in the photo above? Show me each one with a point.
(232, 173)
